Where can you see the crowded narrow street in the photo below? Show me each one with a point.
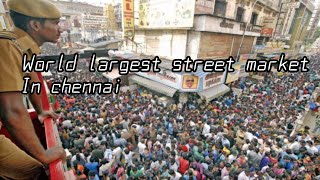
(257, 133)
(160, 90)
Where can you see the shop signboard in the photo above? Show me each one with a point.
(269, 22)
(267, 32)
(293, 5)
(128, 18)
(212, 79)
(243, 72)
(164, 76)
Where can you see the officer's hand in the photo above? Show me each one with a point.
(47, 114)
(53, 154)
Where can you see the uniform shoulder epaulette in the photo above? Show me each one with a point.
(13, 38)
(8, 35)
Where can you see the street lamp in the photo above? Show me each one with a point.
(245, 30)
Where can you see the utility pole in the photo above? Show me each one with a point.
(245, 30)
(280, 11)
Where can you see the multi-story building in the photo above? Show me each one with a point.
(314, 22)
(5, 20)
(118, 15)
(94, 26)
(216, 33)
(293, 22)
(300, 22)
(207, 29)
(82, 21)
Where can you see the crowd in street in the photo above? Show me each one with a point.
(248, 136)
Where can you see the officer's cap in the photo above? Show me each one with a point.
(35, 8)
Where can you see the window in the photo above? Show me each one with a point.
(240, 13)
(254, 19)
(220, 8)
(260, 41)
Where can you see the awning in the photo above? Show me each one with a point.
(269, 56)
(112, 75)
(155, 86)
(214, 92)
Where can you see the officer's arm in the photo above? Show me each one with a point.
(17, 121)
(34, 97)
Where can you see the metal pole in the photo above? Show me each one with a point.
(244, 32)
(275, 30)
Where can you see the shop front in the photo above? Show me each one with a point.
(164, 82)
(114, 75)
(181, 85)
(212, 85)
(153, 85)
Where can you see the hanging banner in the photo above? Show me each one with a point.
(234, 76)
(128, 18)
(266, 32)
(166, 14)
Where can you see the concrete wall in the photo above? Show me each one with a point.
(193, 44)
(167, 43)
(213, 24)
(207, 7)
(217, 45)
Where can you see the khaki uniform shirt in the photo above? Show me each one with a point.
(12, 46)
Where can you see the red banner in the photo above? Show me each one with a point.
(266, 31)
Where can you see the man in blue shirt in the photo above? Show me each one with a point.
(92, 166)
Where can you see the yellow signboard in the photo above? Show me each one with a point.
(128, 18)
(166, 13)
(234, 76)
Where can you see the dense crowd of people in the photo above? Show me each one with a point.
(248, 136)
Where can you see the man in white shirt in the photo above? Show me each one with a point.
(117, 153)
(244, 175)
(174, 175)
(295, 146)
(141, 146)
(206, 129)
(108, 154)
(105, 167)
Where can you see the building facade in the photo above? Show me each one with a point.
(209, 30)
(6, 23)
(293, 22)
(82, 21)
(118, 15)
(298, 29)
(314, 22)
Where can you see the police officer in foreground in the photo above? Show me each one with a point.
(36, 22)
